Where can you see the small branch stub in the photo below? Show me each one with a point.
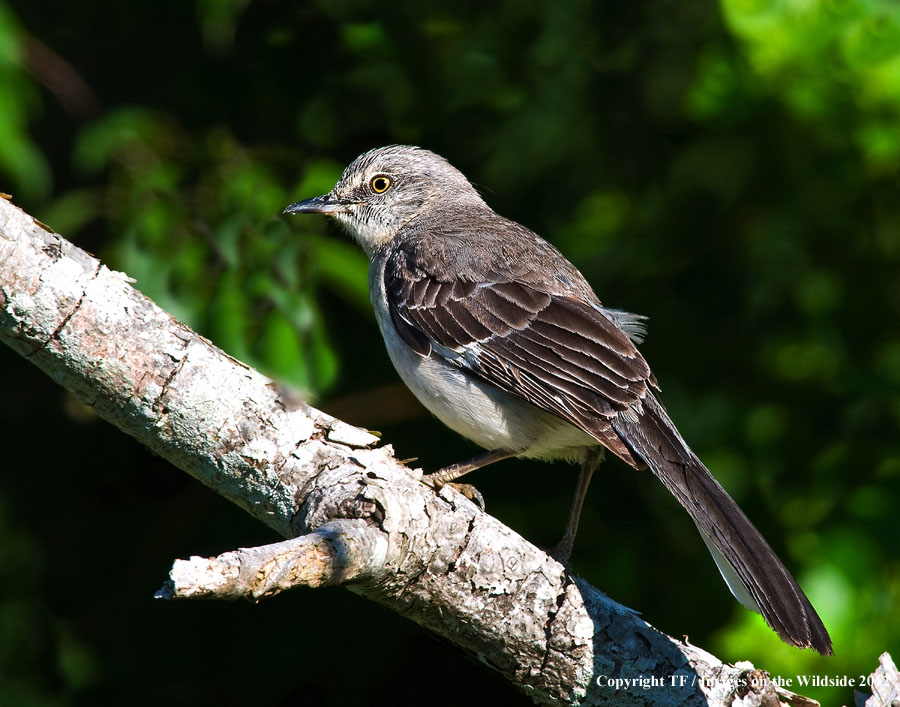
(337, 552)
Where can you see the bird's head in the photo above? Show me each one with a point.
(388, 188)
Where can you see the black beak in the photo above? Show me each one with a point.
(317, 205)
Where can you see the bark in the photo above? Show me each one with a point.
(884, 683)
(355, 515)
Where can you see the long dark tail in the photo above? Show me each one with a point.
(753, 572)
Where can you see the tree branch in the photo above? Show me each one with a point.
(358, 517)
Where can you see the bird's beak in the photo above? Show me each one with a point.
(317, 205)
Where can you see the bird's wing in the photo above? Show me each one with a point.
(557, 352)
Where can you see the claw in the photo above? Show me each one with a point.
(470, 492)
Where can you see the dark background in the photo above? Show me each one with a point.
(728, 169)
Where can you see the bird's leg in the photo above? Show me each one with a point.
(454, 471)
(563, 549)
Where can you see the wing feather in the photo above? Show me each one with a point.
(563, 355)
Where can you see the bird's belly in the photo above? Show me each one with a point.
(490, 417)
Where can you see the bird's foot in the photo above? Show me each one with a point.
(467, 490)
(470, 492)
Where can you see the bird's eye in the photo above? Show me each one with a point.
(380, 184)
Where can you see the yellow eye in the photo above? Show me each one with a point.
(380, 184)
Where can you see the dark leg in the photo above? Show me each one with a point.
(563, 550)
(454, 471)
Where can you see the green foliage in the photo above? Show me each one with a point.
(21, 159)
(828, 58)
(729, 169)
(199, 230)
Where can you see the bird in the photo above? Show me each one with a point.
(505, 341)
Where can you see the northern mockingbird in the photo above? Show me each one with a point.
(503, 339)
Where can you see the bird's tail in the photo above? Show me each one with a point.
(750, 568)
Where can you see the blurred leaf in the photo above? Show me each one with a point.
(77, 664)
(218, 22)
(343, 266)
(131, 127)
(10, 39)
(72, 211)
(365, 38)
(322, 356)
(229, 318)
(280, 348)
(20, 157)
(319, 177)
